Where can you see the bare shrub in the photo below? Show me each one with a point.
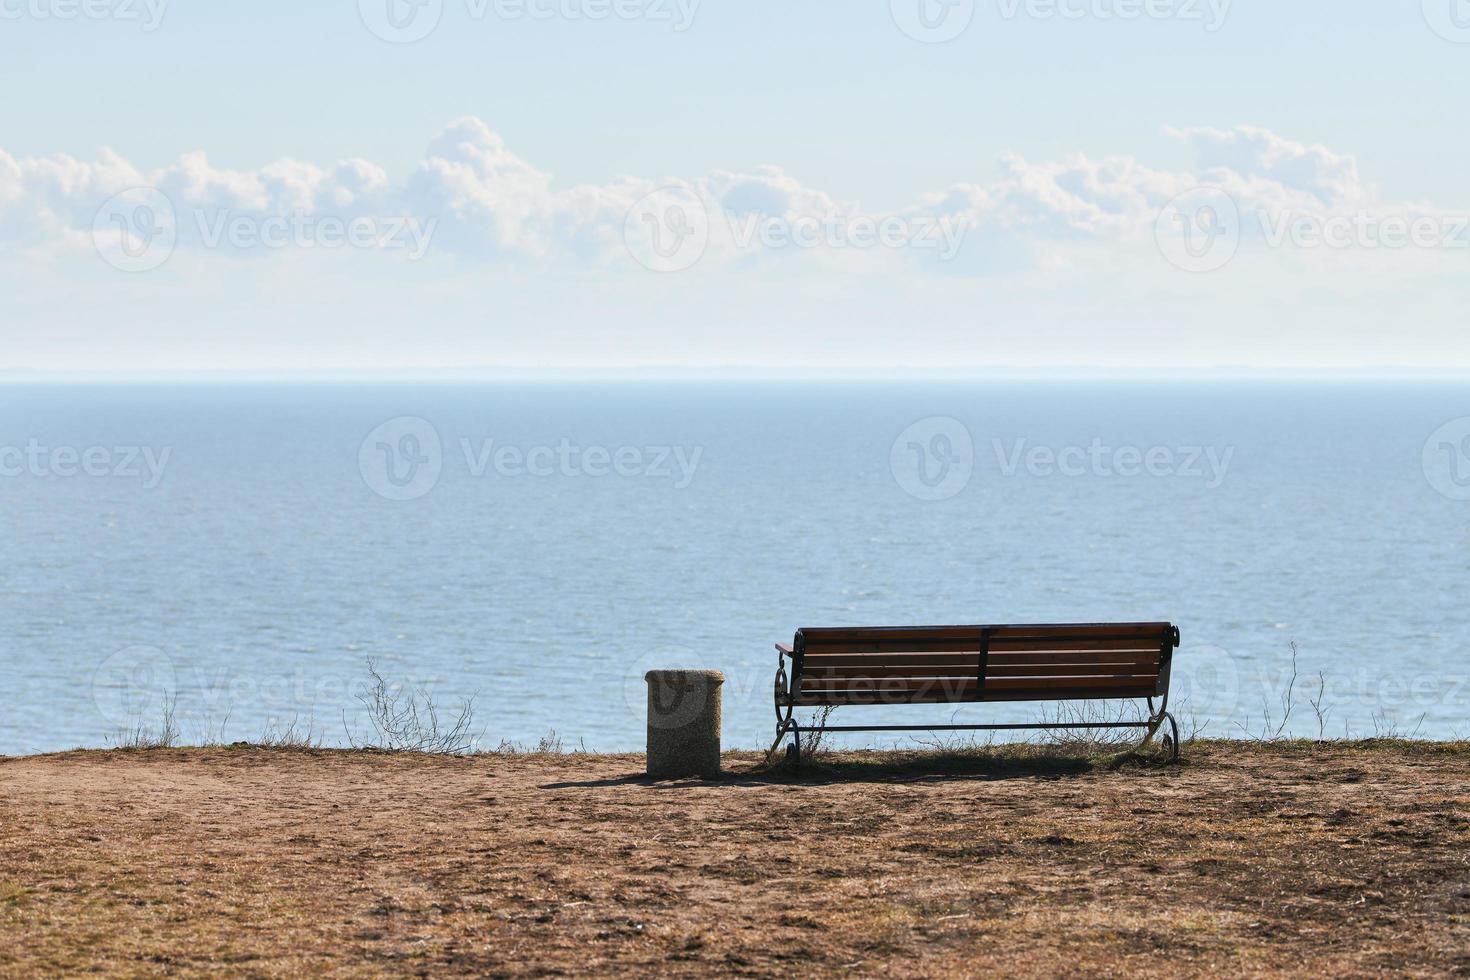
(408, 720)
(549, 744)
(812, 747)
(293, 736)
(1319, 708)
(145, 735)
(1091, 740)
(206, 732)
(1189, 722)
(955, 744)
(1272, 726)
(1386, 727)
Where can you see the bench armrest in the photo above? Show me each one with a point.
(785, 649)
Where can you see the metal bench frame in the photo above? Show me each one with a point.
(788, 686)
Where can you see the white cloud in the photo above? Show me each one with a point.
(45, 197)
(487, 203)
(1250, 152)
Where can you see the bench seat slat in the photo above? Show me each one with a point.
(966, 669)
(1074, 643)
(967, 644)
(1051, 654)
(899, 685)
(822, 662)
(994, 671)
(1082, 629)
(922, 661)
(1024, 694)
(1132, 666)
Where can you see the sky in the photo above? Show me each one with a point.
(384, 185)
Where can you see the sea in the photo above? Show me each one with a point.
(246, 557)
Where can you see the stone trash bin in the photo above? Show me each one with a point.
(684, 723)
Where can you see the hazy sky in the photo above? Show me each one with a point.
(869, 183)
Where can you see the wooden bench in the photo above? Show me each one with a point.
(964, 664)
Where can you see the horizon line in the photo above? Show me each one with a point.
(720, 372)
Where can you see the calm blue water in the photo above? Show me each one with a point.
(697, 524)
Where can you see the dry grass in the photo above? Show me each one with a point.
(1338, 859)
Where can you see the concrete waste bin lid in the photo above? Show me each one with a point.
(677, 676)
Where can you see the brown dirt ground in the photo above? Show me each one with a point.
(1336, 859)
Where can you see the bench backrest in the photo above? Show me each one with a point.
(931, 664)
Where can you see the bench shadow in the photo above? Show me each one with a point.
(976, 768)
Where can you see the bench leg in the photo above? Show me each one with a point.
(1156, 721)
(1172, 740)
(782, 728)
(793, 750)
(785, 723)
